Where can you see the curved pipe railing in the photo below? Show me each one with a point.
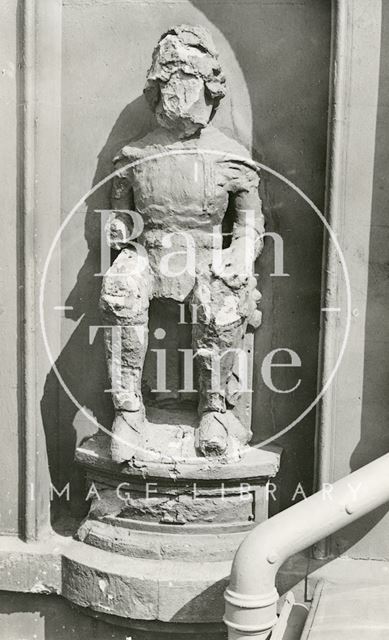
(251, 598)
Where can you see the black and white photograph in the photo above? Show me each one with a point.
(194, 332)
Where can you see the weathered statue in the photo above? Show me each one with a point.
(193, 176)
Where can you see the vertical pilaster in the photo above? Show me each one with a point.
(39, 216)
(354, 80)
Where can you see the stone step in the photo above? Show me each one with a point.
(348, 612)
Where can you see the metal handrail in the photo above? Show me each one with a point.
(251, 598)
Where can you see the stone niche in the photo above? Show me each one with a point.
(175, 486)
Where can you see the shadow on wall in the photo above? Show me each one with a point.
(283, 53)
(83, 370)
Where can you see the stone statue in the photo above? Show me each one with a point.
(184, 180)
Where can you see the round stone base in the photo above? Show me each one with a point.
(158, 542)
(147, 590)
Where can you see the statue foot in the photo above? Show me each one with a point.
(128, 401)
(212, 434)
(215, 431)
(127, 434)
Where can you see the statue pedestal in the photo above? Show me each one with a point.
(164, 532)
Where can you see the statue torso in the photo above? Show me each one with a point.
(182, 188)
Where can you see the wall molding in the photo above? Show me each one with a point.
(354, 74)
(39, 216)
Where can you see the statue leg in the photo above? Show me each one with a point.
(124, 304)
(221, 322)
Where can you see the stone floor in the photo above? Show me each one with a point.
(349, 612)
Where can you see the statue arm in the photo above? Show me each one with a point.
(237, 264)
(249, 222)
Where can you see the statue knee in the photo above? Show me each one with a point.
(124, 295)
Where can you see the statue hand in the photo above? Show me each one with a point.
(236, 265)
(118, 230)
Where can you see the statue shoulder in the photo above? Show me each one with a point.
(140, 147)
(127, 154)
(240, 170)
(216, 139)
(233, 150)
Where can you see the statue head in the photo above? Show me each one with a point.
(185, 82)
